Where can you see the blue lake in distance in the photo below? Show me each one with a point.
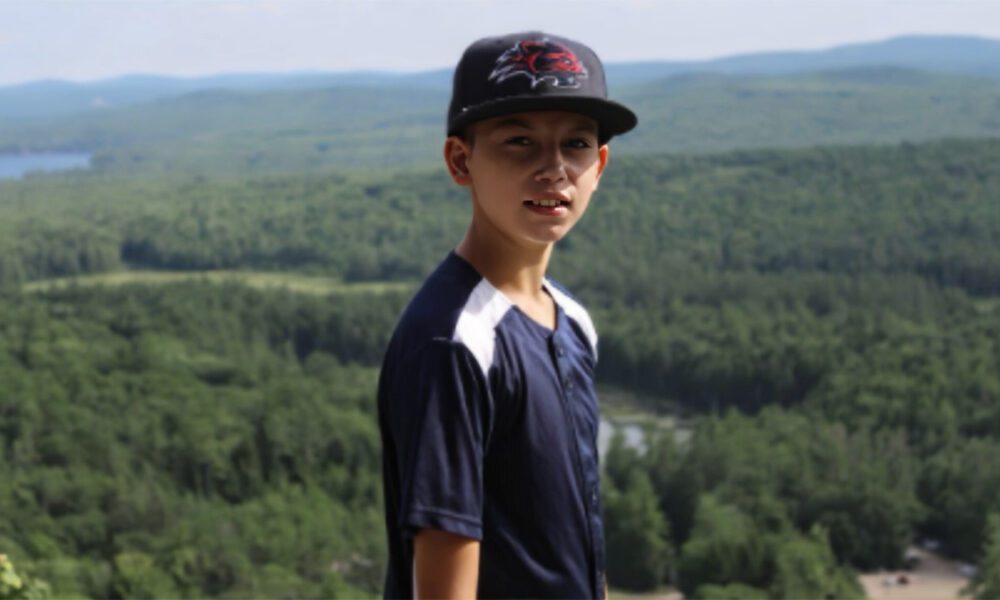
(15, 166)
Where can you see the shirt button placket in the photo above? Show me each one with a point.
(560, 357)
(567, 382)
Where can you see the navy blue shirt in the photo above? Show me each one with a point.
(489, 431)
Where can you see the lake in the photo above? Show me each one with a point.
(633, 427)
(634, 435)
(15, 166)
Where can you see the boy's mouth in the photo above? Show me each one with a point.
(550, 205)
(547, 202)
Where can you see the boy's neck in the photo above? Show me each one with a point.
(515, 270)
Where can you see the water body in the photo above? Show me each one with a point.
(634, 430)
(634, 436)
(16, 166)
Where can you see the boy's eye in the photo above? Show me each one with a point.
(578, 143)
(517, 140)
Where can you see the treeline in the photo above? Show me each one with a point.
(928, 210)
(202, 439)
(864, 411)
(868, 351)
(828, 318)
(785, 505)
(344, 226)
(192, 440)
(876, 408)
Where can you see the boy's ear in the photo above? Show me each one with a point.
(456, 158)
(602, 157)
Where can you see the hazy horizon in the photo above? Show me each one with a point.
(252, 72)
(88, 40)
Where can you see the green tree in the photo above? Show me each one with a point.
(136, 575)
(959, 483)
(733, 591)
(986, 584)
(18, 586)
(806, 568)
(725, 547)
(637, 534)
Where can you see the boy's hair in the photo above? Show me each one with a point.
(468, 136)
(532, 71)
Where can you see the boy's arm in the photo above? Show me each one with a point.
(445, 565)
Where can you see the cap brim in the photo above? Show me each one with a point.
(612, 118)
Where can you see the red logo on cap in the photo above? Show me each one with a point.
(540, 60)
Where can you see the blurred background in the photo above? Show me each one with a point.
(212, 213)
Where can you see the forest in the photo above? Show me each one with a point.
(827, 319)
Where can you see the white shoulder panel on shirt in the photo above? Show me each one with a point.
(575, 311)
(476, 327)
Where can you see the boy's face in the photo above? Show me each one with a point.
(531, 174)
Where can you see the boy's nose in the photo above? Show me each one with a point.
(553, 165)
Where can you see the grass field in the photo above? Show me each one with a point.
(305, 284)
(619, 402)
(987, 305)
(662, 593)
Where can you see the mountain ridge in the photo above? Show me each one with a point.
(369, 127)
(969, 55)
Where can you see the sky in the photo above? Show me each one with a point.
(87, 40)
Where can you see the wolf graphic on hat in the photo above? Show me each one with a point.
(540, 60)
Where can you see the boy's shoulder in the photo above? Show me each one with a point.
(454, 305)
(457, 305)
(434, 310)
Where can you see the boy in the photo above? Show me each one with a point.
(486, 400)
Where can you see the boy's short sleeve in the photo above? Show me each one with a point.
(446, 412)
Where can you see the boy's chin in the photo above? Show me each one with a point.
(547, 238)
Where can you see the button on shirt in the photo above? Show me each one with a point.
(489, 431)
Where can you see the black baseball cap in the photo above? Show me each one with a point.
(531, 71)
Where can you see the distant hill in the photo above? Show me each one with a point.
(395, 127)
(229, 130)
(712, 112)
(57, 98)
(947, 54)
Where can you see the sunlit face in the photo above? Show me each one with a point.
(531, 174)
